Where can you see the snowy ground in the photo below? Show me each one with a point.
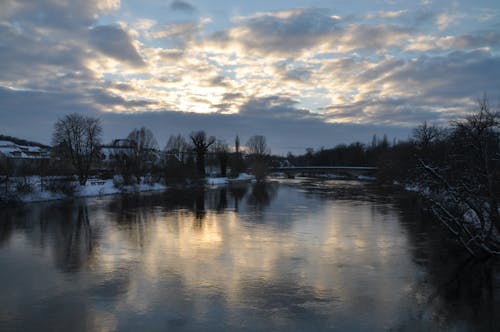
(94, 187)
(224, 180)
(98, 187)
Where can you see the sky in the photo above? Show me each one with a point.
(302, 73)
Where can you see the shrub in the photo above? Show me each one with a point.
(63, 186)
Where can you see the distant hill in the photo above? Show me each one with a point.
(24, 142)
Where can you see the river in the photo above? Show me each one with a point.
(291, 255)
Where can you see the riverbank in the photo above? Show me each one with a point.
(93, 187)
(31, 189)
(242, 178)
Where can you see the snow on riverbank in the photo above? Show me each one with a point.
(92, 188)
(107, 187)
(243, 177)
(98, 187)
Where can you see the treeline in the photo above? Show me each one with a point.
(457, 170)
(354, 154)
(78, 151)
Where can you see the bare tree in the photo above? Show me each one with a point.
(257, 146)
(464, 186)
(177, 146)
(221, 150)
(259, 151)
(236, 160)
(78, 139)
(200, 146)
(427, 135)
(143, 146)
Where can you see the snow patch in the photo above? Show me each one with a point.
(243, 177)
(94, 187)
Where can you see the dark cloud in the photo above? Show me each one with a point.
(182, 6)
(382, 68)
(232, 96)
(105, 99)
(299, 74)
(377, 37)
(443, 79)
(32, 115)
(58, 15)
(274, 107)
(181, 32)
(35, 56)
(115, 42)
(219, 81)
(296, 31)
(480, 39)
(289, 34)
(120, 86)
(408, 92)
(396, 111)
(283, 134)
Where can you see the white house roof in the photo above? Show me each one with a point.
(13, 150)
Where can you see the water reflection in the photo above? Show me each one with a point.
(261, 195)
(237, 193)
(64, 229)
(452, 286)
(296, 255)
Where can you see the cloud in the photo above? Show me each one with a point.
(298, 31)
(486, 39)
(286, 127)
(32, 114)
(387, 14)
(116, 43)
(106, 100)
(219, 81)
(384, 111)
(407, 92)
(183, 30)
(283, 134)
(487, 14)
(232, 96)
(180, 32)
(182, 6)
(57, 14)
(455, 75)
(33, 61)
(445, 20)
(274, 107)
(292, 73)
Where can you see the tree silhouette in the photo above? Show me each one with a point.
(221, 151)
(200, 146)
(78, 139)
(143, 150)
(259, 152)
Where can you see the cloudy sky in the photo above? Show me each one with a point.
(303, 73)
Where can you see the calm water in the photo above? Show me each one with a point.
(300, 255)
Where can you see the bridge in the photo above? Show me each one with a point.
(292, 171)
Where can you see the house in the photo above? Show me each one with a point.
(118, 148)
(25, 159)
(11, 150)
